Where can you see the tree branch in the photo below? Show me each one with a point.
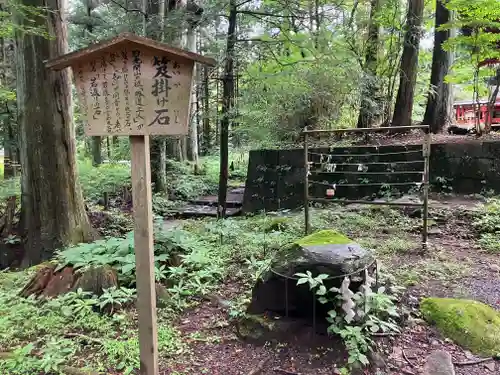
(129, 10)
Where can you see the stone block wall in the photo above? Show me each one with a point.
(275, 178)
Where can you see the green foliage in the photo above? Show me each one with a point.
(9, 188)
(107, 178)
(486, 223)
(355, 315)
(281, 97)
(183, 184)
(116, 252)
(476, 42)
(48, 335)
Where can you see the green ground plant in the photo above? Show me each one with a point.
(487, 226)
(355, 315)
(191, 261)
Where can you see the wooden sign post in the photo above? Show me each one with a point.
(135, 86)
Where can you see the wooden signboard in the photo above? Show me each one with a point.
(135, 86)
(132, 85)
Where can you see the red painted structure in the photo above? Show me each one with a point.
(465, 110)
(464, 113)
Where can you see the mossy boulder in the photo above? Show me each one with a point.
(471, 324)
(324, 252)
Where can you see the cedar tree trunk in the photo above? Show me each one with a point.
(53, 210)
(409, 65)
(227, 101)
(368, 108)
(440, 97)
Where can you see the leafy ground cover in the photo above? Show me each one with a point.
(205, 270)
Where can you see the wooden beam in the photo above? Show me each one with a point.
(72, 58)
(367, 130)
(360, 201)
(144, 254)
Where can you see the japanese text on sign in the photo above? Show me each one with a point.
(129, 91)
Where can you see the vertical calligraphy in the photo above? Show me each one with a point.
(94, 93)
(105, 93)
(115, 84)
(160, 89)
(138, 89)
(126, 89)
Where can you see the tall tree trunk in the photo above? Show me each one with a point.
(53, 209)
(192, 149)
(158, 148)
(409, 65)
(207, 134)
(96, 140)
(227, 101)
(96, 150)
(369, 107)
(440, 98)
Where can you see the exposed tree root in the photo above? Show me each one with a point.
(257, 370)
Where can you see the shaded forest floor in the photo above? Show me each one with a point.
(454, 266)
(212, 284)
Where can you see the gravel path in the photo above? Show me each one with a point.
(484, 289)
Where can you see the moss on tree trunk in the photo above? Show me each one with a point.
(53, 211)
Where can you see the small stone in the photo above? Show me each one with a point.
(495, 267)
(412, 322)
(435, 343)
(377, 360)
(439, 363)
(434, 232)
(468, 355)
(490, 366)
(397, 353)
(412, 301)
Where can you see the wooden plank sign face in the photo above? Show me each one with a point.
(129, 89)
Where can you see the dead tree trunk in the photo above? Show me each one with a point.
(409, 65)
(53, 210)
(440, 98)
(227, 102)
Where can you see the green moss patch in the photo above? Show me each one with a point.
(471, 324)
(324, 237)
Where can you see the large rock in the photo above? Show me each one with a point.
(324, 252)
(471, 324)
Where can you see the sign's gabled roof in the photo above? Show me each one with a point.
(71, 58)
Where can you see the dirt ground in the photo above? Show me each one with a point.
(453, 266)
